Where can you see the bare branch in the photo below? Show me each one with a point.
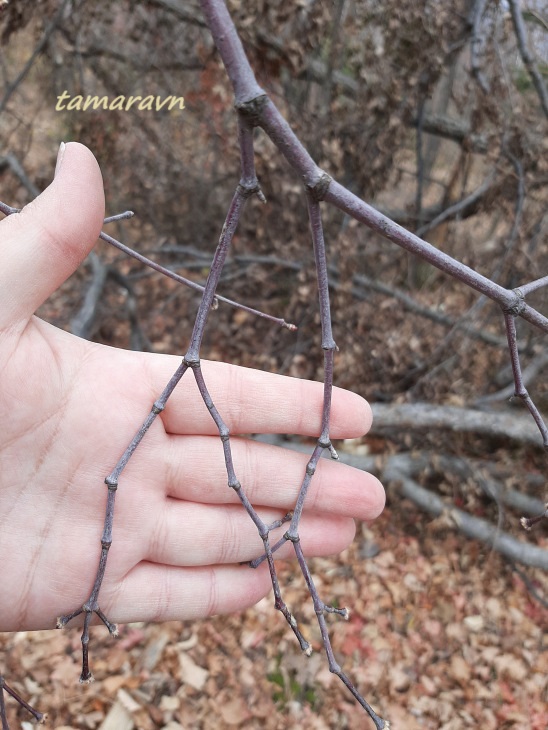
(469, 525)
(429, 416)
(521, 390)
(530, 372)
(191, 284)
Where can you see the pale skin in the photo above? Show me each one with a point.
(68, 409)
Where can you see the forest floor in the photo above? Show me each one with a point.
(443, 634)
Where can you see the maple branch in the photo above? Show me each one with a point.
(8, 210)
(248, 186)
(521, 390)
(91, 606)
(187, 282)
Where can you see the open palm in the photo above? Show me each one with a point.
(68, 409)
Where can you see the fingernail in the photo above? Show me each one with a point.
(60, 154)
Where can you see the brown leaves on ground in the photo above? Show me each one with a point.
(441, 635)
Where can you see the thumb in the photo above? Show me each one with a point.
(41, 246)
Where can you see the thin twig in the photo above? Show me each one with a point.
(526, 289)
(530, 372)
(191, 284)
(521, 390)
(8, 210)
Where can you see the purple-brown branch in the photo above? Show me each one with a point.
(256, 109)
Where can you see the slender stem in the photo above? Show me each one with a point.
(526, 289)
(187, 282)
(248, 185)
(126, 215)
(328, 346)
(321, 609)
(232, 218)
(230, 47)
(91, 606)
(521, 390)
(8, 210)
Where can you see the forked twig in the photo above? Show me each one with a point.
(256, 109)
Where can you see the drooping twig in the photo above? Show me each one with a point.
(324, 442)
(248, 186)
(191, 284)
(91, 606)
(521, 390)
(530, 372)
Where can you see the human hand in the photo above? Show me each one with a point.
(68, 409)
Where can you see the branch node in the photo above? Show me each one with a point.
(291, 538)
(247, 191)
(192, 361)
(518, 305)
(318, 190)
(235, 485)
(251, 110)
(111, 483)
(158, 407)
